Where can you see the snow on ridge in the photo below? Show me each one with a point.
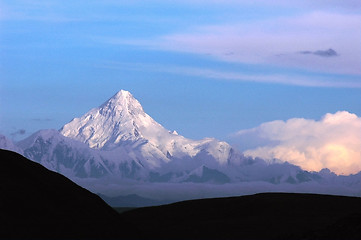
(121, 120)
(119, 139)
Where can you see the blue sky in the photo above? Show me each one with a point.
(203, 68)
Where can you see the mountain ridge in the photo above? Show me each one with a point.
(119, 138)
(118, 141)
(121, 120)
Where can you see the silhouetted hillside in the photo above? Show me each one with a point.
(38, 203)
(260, 216)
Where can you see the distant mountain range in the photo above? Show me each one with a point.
(118, 140)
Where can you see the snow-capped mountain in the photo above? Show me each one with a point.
(63, 155)
(121, 123)
(118, 120)
(118, 140)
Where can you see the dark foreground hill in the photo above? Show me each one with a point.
(38, 203)
(260, 216)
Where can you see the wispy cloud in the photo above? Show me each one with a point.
(333, 142)
(238, 76)
(276, 41)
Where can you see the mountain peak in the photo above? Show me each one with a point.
(123, 101)
(122, 95)
(121, 125)
(120, 118)
(123, 92)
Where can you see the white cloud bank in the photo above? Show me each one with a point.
(334, 142)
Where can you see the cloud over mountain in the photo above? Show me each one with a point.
(332, 142)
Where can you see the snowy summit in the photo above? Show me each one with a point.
(120, 125)
(121, 118)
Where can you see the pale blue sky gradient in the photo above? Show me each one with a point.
(203, 68)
